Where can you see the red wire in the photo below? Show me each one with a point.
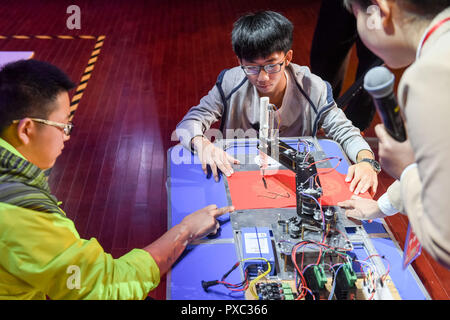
(229, 284)
(388, 268)
(332, 169)
(323, 160)
(302, 278)
(236, 285)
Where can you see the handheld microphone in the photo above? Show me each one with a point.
(379, 83)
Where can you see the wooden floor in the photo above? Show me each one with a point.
(158, 59)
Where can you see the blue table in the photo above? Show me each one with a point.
(189, 190)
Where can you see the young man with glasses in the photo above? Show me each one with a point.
(304, 102)
(41, 252)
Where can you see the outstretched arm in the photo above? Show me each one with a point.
(166, 250)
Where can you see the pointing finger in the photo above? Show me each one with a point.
(211, 207)
(217, 213)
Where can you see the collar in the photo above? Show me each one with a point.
(14, 167)
(435, 35)
(10, 148)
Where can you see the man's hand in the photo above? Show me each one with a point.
(203, 222)
(361, 208)
(363, 178)
(215, 157)
(394, 156)
(166, 249)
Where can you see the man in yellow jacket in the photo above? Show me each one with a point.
(41, 252)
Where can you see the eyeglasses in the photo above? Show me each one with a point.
(67, 127)
(269, 68)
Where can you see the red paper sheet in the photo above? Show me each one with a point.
(248, 191)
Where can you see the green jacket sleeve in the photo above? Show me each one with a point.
(45, 252)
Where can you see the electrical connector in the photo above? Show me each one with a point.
(315, 280)
(207, 284)
(350, 274)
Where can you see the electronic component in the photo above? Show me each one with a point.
(269, 291)
(307, 182)
(309, 248)
(256, 243)
(275, 290)
(315, 280)
(345, 280)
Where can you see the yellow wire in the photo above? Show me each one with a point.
(279, 117)
(253, 282)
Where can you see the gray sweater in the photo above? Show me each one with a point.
(307, 106)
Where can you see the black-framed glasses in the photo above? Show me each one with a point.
(269, 68)
(66, 127)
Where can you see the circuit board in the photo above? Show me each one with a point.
(286, 290)
(362, 278)
(287, 255)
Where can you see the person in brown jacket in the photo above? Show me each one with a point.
(415, 33)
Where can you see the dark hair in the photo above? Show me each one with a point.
(28, 88)
(425, 8)
(258, 35)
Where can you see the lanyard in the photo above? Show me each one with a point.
(429, 33)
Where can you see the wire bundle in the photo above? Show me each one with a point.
(300, 281)
(244, 285)
(373, 275)
(368, 269)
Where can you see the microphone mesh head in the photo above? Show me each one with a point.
(379, 82)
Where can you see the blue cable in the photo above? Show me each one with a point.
(334, 282)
